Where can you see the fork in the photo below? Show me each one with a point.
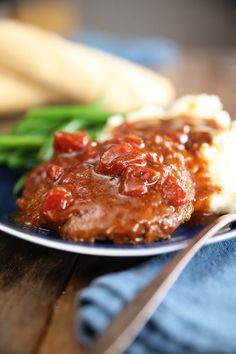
(127, 325)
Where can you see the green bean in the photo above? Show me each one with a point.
(22, 158)
(35, 126)
(93, 132)
(62, 111)
(47, 124)
(17, 141)
(31, 140)
(15, 161)
(46, 151)
(19, 185)
(3, 157)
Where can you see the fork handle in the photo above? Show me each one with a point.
(126, 326)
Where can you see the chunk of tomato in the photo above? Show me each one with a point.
(173, 191)
(57, 199)
(135, 180)
(133, 140)
(54, 172)
(114, 160)
(68, 142)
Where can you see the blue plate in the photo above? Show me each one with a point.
(49, 239)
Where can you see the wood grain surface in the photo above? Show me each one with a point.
(38, 285)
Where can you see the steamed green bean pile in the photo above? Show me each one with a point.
(31, 140)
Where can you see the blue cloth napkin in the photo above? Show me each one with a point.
(149, 51)
(197, 316)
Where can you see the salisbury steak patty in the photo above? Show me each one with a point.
(132, 188)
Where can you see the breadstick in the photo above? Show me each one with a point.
(77, 71)
(18, 94)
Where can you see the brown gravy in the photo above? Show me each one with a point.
(137, 187)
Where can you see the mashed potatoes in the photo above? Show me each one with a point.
(200, 108)
(220, 156)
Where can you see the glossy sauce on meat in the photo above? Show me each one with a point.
(137, 187)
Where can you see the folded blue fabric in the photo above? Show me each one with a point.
(198, 315)
(149, 51)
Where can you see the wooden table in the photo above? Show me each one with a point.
(38, 285)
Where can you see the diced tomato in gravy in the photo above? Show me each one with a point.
(136, 187)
